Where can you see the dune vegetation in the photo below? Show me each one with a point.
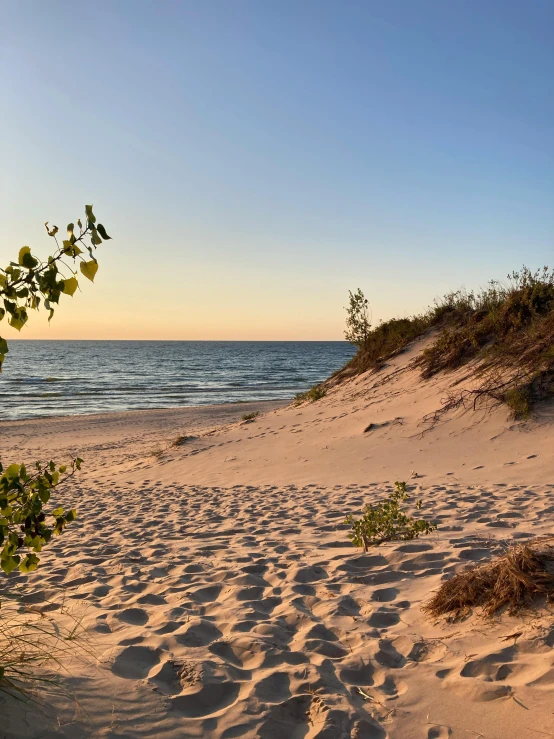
(506, 329)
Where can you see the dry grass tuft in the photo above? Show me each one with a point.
(249, 417)
(35, 644)
(512, 581)
(180, 440)
(314, 393)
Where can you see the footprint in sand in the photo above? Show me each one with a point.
(439, 732)
(133, 662)
(384, 595)
(133, 616)
(199, 633)
(210, 699)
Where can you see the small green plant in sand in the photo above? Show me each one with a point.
(314, 393)
(387, 521)
(250, 416)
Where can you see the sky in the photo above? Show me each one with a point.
(253, 160)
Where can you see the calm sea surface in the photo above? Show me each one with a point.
(49, 378)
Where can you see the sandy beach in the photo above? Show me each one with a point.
(277, 370)
(220, 594)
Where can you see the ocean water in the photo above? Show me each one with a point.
(52, 378)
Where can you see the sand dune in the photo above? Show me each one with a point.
(223, 599)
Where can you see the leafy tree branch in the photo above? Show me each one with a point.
(29, 283)
(27, 521)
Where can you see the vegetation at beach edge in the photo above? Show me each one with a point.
(314, 393)
(507, 329)
(28, 517)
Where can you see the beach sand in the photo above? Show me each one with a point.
(222, 598)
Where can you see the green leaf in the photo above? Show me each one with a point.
(69, 286)
(18, 321)
(95, 240)
(26, 259)
(24, 250)
(10, 563)
(102, 232)
(71, 249)
(91, 218)
(89, 269)
(29, 564)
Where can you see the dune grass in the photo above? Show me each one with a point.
(310, 396)
(35, 643)
(507, 328)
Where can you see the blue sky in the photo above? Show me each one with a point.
(254, 160)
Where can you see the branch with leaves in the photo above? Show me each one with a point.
(29, 283)
(25, 524)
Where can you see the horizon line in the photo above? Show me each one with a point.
(220, 341)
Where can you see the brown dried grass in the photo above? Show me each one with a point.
(512, 581)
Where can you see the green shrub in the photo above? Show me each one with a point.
(382, 343)
(250, 416)
(386, 521)
(358, 324)
(314, 393)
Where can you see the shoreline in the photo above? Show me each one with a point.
(171, 410)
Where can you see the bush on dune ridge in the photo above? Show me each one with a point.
(507, 328)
